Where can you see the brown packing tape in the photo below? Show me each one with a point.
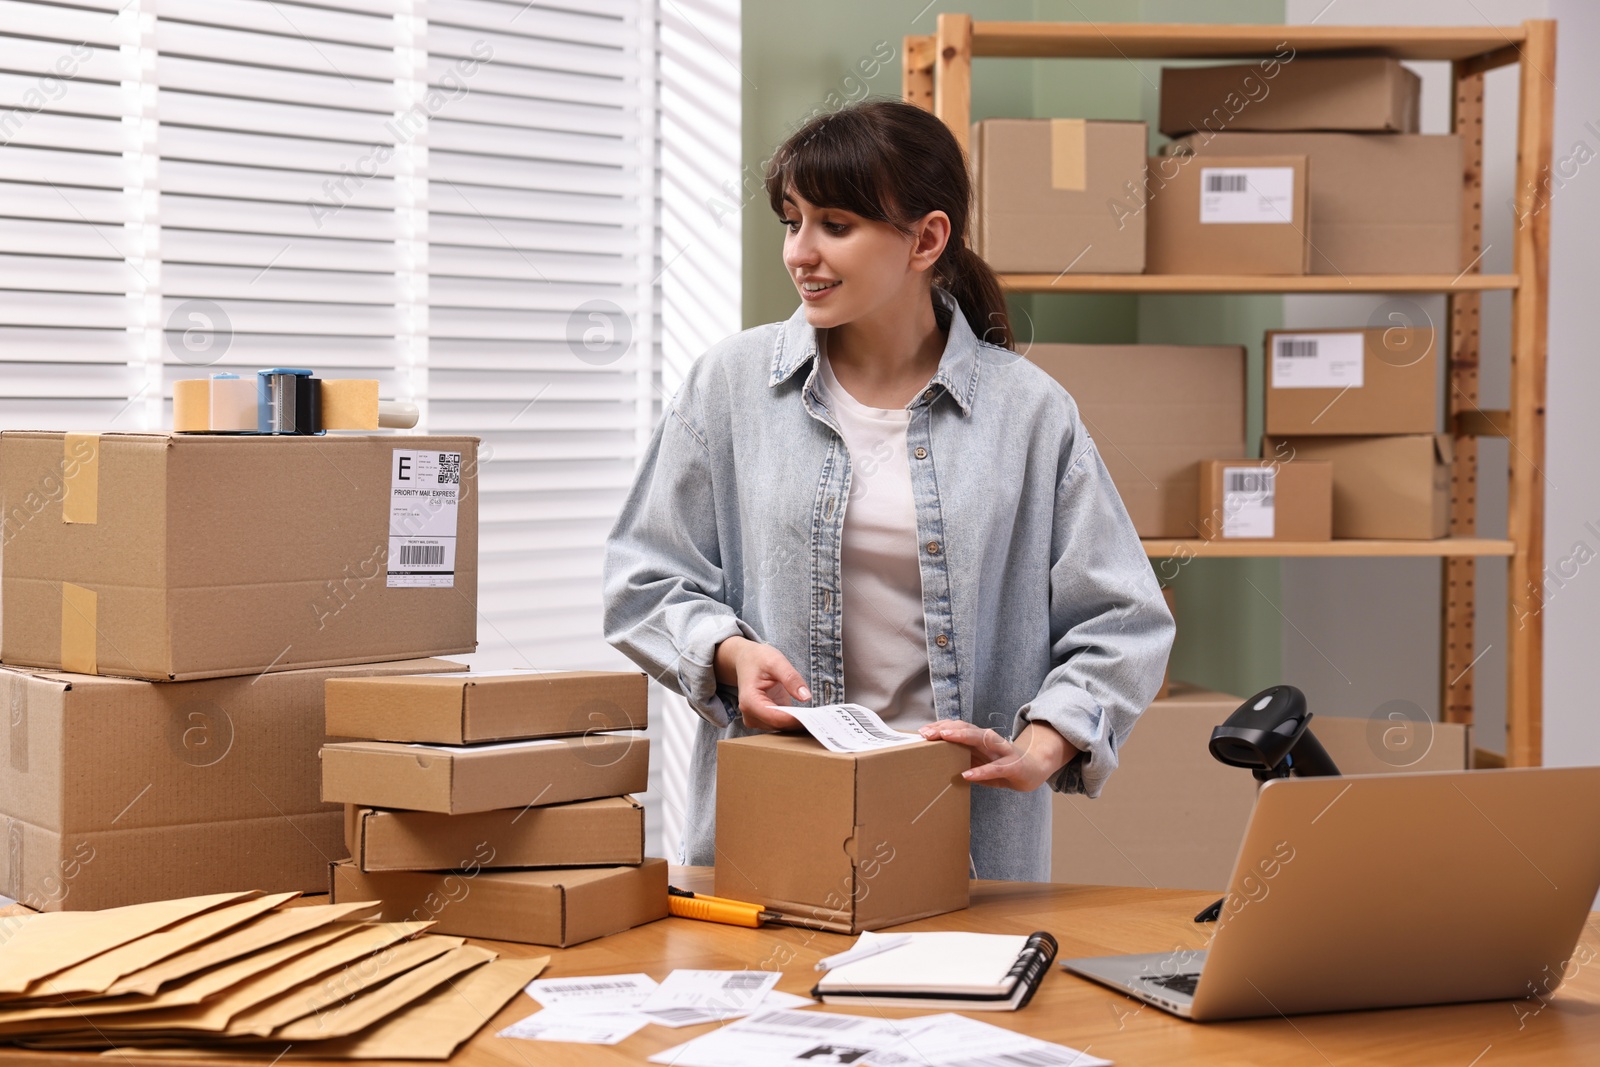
(79, 610)
(12, 886)
(16, 703)
(191, 405)
(350, 404)
(1069, 167)
(80, 468)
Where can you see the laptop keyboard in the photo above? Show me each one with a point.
(1178, 983)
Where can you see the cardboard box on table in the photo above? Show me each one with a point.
(1381, 380)
(175, 557)
(1218, 214)
(1373, 94)
(118, 791)
(1383, 487)
(1262, 499)
(588, 833)
(843, 841)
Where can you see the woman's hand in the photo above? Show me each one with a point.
(766, 680)
(1024, 764)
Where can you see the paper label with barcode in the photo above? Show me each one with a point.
(1247, 501)
(424, 498)
(849, 727)
(1247, 194)
(1318, 360)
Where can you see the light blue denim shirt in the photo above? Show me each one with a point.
(1039, 601)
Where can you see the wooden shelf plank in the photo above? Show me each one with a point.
(1124, 40)
(1165, 548)
(1255, 283)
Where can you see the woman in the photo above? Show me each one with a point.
(878, 501)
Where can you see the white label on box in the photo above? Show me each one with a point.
(424, 497)
(1318, 360)
(1247, 194)
(1247, 501)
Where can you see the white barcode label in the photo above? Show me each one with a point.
(1247, 194)
(424, 498)
(1247, 501)
(1318, 360)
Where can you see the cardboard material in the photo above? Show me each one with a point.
(1261, 499)
(1166, 672)
(1051, 192)
(1354, 93)
(587, 833)
(1383, 487)
(456, 780)
(1380, 204)
(1228, 214)
(1173, 817)
(843, 841)
(1361, 381)
(1155, 411)
(459, 709)
(117, 791)
(539, 907)
(199, 556)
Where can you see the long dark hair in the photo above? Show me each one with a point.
(893, 162)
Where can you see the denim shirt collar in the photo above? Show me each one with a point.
(958, 366)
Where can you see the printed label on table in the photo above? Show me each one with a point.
(1247, 501)
(1247, 194)
(1318, 360)
(424, 498)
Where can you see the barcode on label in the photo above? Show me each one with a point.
(744, 980)
(678, 1015)
(874, 728)
(1297, 347)
(421, 555)
(1257, 482)
(585, 987)
(1226, 183)
(1042, 1057)
(815, 1022)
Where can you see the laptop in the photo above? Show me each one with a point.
(1388, 891)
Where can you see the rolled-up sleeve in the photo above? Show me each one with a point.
(662, 579)
(1110, 630)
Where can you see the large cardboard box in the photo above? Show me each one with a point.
(1227, 215)
(843, 841)
(1366, 381)
(1155, 411)
(116, 791)
(167, 556)
(1052, 195)
(586, 833)
(1262, 499)
(460, 709)
(460, 779)
(1383, 487)
(1380, 203)
(1173, 817)
(558, 908)
(1372, 94)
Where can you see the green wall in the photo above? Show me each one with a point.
(1229, 628)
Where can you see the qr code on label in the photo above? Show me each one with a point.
(449, 468)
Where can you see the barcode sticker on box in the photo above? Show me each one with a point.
(1318, 360)
(1247, 194)
(424, 498)
(1247, 501)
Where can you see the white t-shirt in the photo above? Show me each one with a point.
(884, 632)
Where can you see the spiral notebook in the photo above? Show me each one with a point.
(950, 970)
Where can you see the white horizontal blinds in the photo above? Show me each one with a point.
(539, 266)
(69, 240)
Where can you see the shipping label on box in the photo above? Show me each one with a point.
(1247, 194)
(424, 499)
(1318, 361)
(1247, 509)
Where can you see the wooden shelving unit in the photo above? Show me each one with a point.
(937, 75)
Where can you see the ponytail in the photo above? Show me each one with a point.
(976, 288)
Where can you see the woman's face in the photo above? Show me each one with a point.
(846, 267)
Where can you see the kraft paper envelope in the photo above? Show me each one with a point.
(379, 1002)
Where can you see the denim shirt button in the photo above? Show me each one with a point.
(933, 548)
(927, 394)
(941, 640)
(921, 453)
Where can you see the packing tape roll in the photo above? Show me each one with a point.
(79, 607)
(191, 405)
(80, 472)
(214, 405)
(349, 404)
(1069, 168)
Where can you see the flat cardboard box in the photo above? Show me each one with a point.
(461, 779)
(1264, 500)
(541, 907)
(843, 841)
(184, 556)
(117, 791)
(1052, 195)
(1173, 817)
(587, 833)
(1382, 380)
(1383, 487)
(1370, 94)
(1155, 411)
(1380, 203)
(1219, 214)
(460, 709)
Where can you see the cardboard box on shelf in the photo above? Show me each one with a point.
(461, 709)
(560, 908)
(118, 791)
(1154, 411)
(1177, 815)
(1051, 195)
(1372, 94)
(585, 833)
(1262, 499)
(1362, 381)
(843, 841)
(167, 556)
(461, 779)
(1380, 203)
(1383, 487)
(1219, 214)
